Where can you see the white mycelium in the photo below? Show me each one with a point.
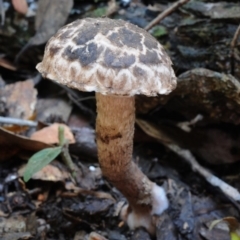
(159, 205)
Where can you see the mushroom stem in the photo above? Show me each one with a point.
(115, 130)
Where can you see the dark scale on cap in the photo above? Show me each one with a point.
(89, 30)
(149, 58)
(70, 54)
(139, 72)
(114, 61)
(85, 35)
(65, 34)
(103, 28)
(130, 38)
(53, 50)
(115, 39)
(86, 55)
(150, 43)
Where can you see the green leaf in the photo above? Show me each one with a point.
(99, 12)
(61, 135)
(40, 160)
(234, 236)
(159, 31)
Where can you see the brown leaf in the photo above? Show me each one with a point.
(11, 144)
(231, 222)
(219, 10)
(151, 130)
(13, 224)
(19, 99)
(48, 173)
(51, 15)
(20, 6)
(53, 107)
(96, 236)
(6, 64)
(49, 134)
(112, 8)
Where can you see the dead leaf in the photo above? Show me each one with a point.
(49, 134)
(19, 100)
(16, 236)
(11, 144)
(219, 10)
(51, 15)
(20, 6)
(13, 224)
(80, 235)
(6, 64)
(151, 130)
(53, 107)
(112, 8)
(231, 222)
(96, 236)
(48, 173)
(216, 234)
(80, 191)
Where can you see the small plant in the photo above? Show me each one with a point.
(42, 158)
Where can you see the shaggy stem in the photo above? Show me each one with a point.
(115, 130)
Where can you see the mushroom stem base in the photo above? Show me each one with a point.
(115, 130)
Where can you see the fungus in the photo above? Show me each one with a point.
(117, 60)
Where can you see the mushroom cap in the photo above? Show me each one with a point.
(108, 56)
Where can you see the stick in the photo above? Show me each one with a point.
(17, 121)
(156, 133)
(209, 177)
(165, 13)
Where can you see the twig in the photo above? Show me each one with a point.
(156, 133)
(235, 37)
(165, 13)
(209, 177)
(73, 96)
(86, 98)
(17, 121)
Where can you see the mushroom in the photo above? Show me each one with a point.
(117, 60)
